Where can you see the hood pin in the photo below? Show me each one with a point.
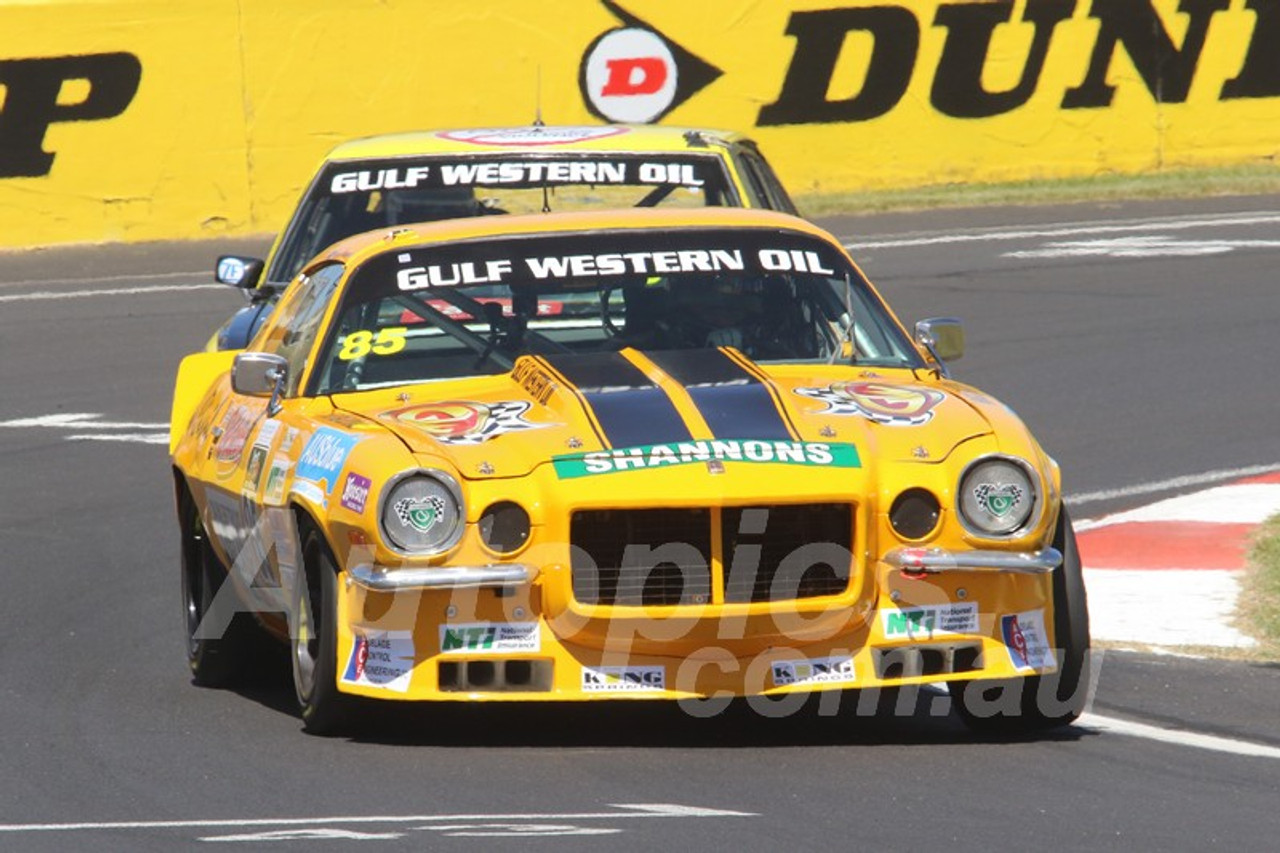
(573, 443)
(485, 468)
(827, 432)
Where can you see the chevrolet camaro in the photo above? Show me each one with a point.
(681, 455)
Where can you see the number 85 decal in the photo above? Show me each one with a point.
(359, 344)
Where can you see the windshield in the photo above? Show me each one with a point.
(350, 197)
(473, 308)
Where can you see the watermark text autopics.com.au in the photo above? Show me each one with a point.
(932, 616)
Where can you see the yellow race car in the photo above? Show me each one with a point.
(679, 455)
(388, 180)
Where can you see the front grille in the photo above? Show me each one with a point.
(641, 557)
(779, 553)
(663, 556)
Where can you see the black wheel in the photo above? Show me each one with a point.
(220, 659)
(1039, 702)
(314, 645)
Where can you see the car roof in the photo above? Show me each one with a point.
(360, 247)
(535, 139)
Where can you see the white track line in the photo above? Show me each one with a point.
(1240, 503)
(137, 437)
(43, 295)
(89, 280)
(1178, 737)
(77, 420)
(634, 811)
(1170, 484)
(1070, 230)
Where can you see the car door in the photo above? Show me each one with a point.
(253, 451)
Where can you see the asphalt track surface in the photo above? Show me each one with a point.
(1138, 342)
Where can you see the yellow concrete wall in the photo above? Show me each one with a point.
(237, 100)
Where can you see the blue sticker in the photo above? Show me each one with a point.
(323, 457)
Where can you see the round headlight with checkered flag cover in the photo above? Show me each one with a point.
(997, 497)
(422, 513)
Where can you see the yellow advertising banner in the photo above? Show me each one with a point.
(154, 119)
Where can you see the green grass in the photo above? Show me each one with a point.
(1259, 610)
(1250, 179)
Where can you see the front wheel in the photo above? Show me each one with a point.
(1040, 702)
(221, 639)
(314, 643)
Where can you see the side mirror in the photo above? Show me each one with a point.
(259, 374)
(238, 271)
(942, 336)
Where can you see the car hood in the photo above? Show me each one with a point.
(672, 407)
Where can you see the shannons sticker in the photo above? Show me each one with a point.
(914, 623)
(787, 673)
(623, 679)
(806, 453)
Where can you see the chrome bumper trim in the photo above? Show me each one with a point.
(933, 560)
(382, 579)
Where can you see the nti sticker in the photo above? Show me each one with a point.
(487, 638)
(921, 623)
(323, 457)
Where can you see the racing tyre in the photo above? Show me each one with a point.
(1037, 703)
(215, 661)
(314, 644)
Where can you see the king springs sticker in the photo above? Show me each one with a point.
(805, 453)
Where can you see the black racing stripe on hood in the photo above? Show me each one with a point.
(630, 409)
(733, 402)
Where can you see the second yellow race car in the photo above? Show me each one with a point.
(654, 455)
(399, 178)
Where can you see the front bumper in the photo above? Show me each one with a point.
(382, 579)
(935, 560)
(486, 633)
